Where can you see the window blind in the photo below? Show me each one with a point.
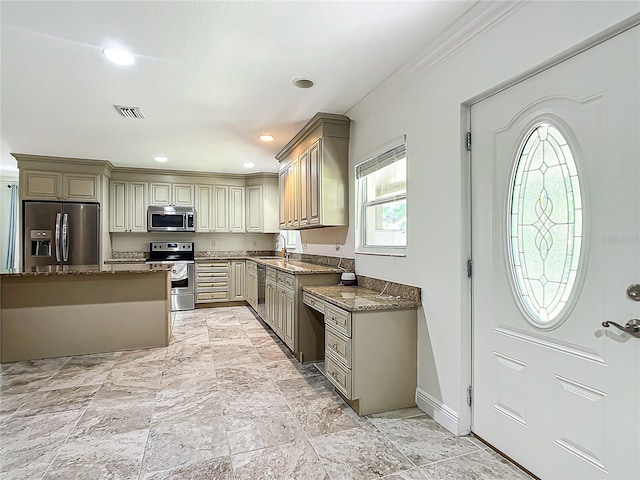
(383, 160)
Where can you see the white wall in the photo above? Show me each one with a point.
(139, 242)
(5, 207)
(429, 109)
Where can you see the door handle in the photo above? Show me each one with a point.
(58, 237)
(632, 327)
(65, 237)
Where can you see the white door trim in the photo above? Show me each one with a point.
(465, 416)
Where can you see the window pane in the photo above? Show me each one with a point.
(388, 181)
(385, 225)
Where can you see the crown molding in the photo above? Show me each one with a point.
(479, 18)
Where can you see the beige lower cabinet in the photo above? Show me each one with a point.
(370, 356)
(251, 284)
(212, 281)
(237, 280)
(288, 317)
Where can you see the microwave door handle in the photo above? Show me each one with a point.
(57, 237)
(65, 237)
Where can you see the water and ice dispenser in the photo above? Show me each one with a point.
(40, 243)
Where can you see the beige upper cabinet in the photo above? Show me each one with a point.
(177, 194)
(212, 208)
(128, 206)
(314, 174)
(40, 185)
(236, 209)
(261, 198)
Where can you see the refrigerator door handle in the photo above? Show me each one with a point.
(58, 237)
(65, 237)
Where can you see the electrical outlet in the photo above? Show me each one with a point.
(255, 244)
(305, 244)
(337, 245)
(213, 244)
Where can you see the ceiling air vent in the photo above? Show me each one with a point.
(129, 112)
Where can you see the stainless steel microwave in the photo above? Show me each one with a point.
(171, 219)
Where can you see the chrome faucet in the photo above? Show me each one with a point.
(284, 241)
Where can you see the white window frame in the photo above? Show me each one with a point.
(374, 162)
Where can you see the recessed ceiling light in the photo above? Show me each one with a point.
(303, 83)
(160, 159)
(119, 56)
(248, 165)
(265, 137)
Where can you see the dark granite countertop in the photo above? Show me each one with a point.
(88, 270)
(358, 299)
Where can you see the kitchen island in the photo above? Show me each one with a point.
(57, 311)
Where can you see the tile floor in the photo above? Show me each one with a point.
(225, 400)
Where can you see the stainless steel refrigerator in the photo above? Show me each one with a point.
(60, 233)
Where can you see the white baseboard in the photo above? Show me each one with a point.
(433, 407)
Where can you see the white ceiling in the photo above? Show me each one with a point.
(209, 76)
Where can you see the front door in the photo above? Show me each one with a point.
(556, 244)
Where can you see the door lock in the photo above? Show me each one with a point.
(632, 327)
(633, 292)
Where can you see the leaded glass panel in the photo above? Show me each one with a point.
(545, 227)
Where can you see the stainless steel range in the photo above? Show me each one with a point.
(181, 256)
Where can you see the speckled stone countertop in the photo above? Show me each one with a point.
(358, 299)
(87, 270)
(115, 261)
(295, 267)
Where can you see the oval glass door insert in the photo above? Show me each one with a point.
(545, 227)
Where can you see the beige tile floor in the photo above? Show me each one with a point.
(225, 400)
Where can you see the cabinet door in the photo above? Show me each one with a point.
(160, 194)
(236, 209)
(271, 304)
(294, 194)
(254, 216)
(118, 206)
(313, 184)
(138, 202)
(182, 195)
(220, 217)
(282, 196)
(303, 193)
(42, 185)
(204, 202)
(288, 316)
(237, 281)
(81, 187)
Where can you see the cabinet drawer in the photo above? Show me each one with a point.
(202, 285)
(202, 297)
(208, 275)
(252, 267)
(272, 274)
(338, 345)
(339, 319)
(212, 266)
(313, 301)
(286, 280)
(338, 375)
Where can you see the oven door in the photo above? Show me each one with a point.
(182, 278)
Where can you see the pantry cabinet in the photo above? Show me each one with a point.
(128, 206)
(314, 178)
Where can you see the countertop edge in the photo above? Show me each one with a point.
(404, 305)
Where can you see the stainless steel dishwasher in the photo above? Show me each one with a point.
(262, 278)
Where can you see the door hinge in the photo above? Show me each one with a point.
(469, 268)
(469, 141)
(469, 395)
